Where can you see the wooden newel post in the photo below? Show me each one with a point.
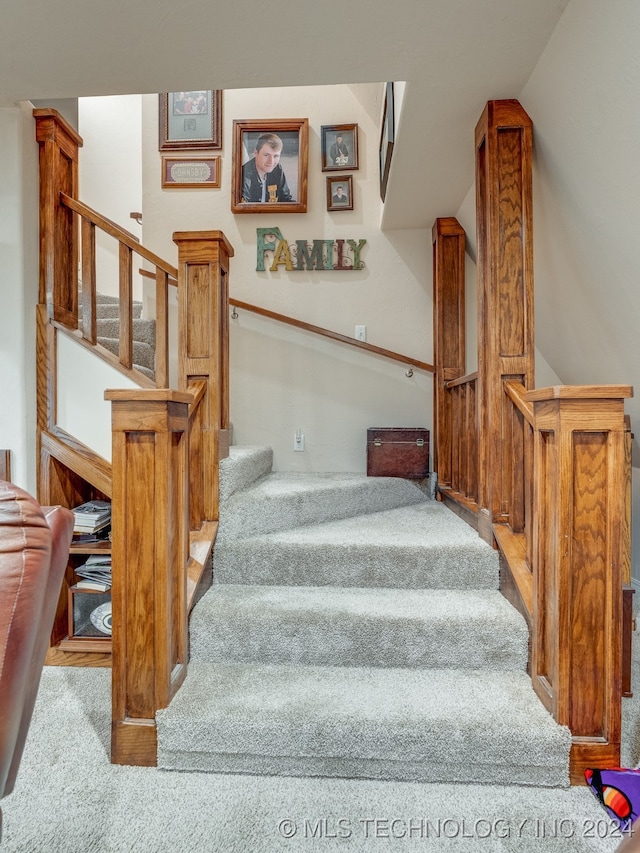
(58, 149)
(448, 239)
(504, 143)
(149, 552)
(579, 547)
(203, 311)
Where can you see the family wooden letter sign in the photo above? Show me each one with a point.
(318, 255)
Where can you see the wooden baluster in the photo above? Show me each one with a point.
(58, 147)
(203, 346)
(89, 328)
(149, 558)
(578, 560)
(504, 140)
(162, 329)
(125, 350)
(448, 336)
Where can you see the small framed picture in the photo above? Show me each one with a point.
(270, 158)
(189, 172)
(340, 193)
(387, 137)
(190, 120)
(339, 144)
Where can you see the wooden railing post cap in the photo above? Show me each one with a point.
(147, 395)
(447, 226)
(49, 123)
(204, 237)
(579, 392)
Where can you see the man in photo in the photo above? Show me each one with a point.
(339, 153)
(339, 195)
(263, 179)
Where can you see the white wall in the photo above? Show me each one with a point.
(18, 290)
(110, 168)
(283, 380)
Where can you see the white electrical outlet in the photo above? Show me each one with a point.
(298, 440)
(361, 333)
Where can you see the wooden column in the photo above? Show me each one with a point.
(505, 299)
(448, 334)
(203, 346)
(58, 146)
(149, 557)
(579, 547)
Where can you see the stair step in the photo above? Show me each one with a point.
(243, 466)
(315, 626)
(423, 545)
(144, 331)
(143, 354)
(423, 725)
(287, 500)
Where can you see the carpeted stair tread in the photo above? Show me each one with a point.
(143, 354)
(416, 546)
(281, 501)
(144, 331)
(315, 626)
(243, 466)
(424, 725)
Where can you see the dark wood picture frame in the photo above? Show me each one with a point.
(334, 185)
(331, 159)
(190, 172)
(387, 138)
(189, 120)
(290, 169)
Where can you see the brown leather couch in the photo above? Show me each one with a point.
(34, 551)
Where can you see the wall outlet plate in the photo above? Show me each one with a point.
(361, 333)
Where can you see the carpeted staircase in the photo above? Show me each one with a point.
(355, 629)
(144, 332)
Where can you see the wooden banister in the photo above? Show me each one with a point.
(117, 232)
(554, 464)
(516, 391)
(318, 330)
(336, 336)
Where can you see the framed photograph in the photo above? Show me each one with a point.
(387, 135)
(270, 158)
(339, 146)
(191, 120)
(340, 193)
(190, 172)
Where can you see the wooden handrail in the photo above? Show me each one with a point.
(198, 389)
(318, 330)
(462, 380)
(119, 233)
(516, 393)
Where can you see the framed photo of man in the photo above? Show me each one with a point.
(269, 167)
(190, 119)
(340, 193)
(339, 143)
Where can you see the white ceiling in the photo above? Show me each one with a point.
(454, 54)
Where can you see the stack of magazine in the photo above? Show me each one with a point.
(95, 573)
(92, 520)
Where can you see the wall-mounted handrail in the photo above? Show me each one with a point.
(318, 330)
(336, 336)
